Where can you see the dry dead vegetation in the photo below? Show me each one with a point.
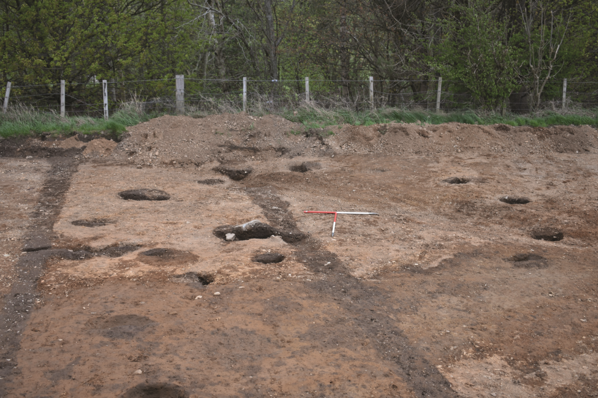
(478, 277)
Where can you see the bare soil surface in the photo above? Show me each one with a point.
(478, 278)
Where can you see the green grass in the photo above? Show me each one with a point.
(319, 118)
(24, 121)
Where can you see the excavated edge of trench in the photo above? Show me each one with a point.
(365, 304)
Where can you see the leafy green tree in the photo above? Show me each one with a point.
(477, 50)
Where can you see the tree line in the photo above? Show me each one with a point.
(489, 50)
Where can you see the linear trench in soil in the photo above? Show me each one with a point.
(24, 297)
(365, 304)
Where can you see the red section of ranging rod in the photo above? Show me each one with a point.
(341, 212)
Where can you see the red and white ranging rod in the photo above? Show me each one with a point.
(364, 213)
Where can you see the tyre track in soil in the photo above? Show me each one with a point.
(24, 296)
(365, 304)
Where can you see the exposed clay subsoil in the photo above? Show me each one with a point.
(477, 278)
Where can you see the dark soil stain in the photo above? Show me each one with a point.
(269, 258)
(166, 257)
(120, 326)
(549, 234)
(456, 180)
(161, 390)
(513, 200)
(211, 181)
(144, 194)
(233, 173)
(93, 222)
(528, 260)
(305, 167)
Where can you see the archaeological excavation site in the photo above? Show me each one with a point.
(178, 260)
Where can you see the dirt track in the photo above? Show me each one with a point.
(446, 293)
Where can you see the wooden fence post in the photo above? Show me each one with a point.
(244, 94)
(307, 89)
(439, 94)
(105, 92)
(180, 94)
(372, 92)
(564, 94)
(62, 99)
(8, 85)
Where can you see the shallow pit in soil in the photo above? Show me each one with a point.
(160, 390)
(144, 194)
(528, 260)
(456, 180)
(203, 279)
(235, 174)
(166, 257)
(250, 230)
(211, 181)
(305, 167)
(269, 258)
(93, 222)
(514, 200)
(548, 234)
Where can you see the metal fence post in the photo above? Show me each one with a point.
(372, 92)
(244, 94)
(105, 92)
(8, 85)
(564, 94)
(180, 94)
(62, 99)
(439, 94)
(307, 89)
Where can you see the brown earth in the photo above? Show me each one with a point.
(448, 292)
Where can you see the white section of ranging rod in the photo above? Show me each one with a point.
(307, 89)
(357, 212)
(180, 94)
(105, 92)
(7, 96)
(372, 91)
(333, 227)
(564, 93)
(62, 99)
(439, 94)
(244, 94)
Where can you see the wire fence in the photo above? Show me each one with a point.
(98, 99)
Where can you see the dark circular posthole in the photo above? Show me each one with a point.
(305, 167)
(456, 180)
(158, 390)
(528, 260)
(211, 181)
(144, 194)
(549, 234)
(203, 279)
(299, 168)
(93, 222)
(234, 174)
(269, 258)
(513, 200)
